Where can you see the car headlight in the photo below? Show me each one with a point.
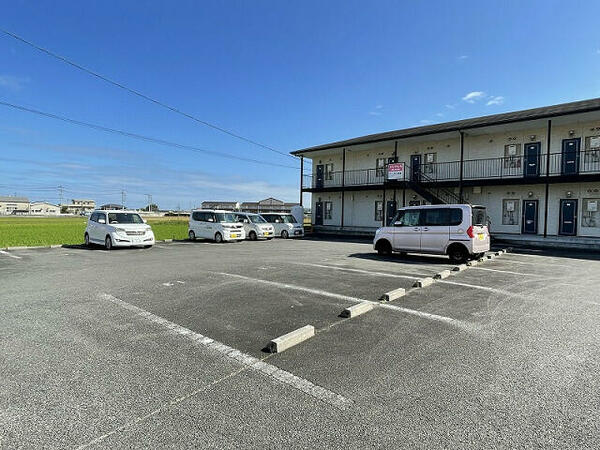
(120, 230)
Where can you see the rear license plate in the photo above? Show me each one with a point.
(481, 236)
(267, 233)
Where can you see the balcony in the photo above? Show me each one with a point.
(512, 169)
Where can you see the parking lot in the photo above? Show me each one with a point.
(166, 347)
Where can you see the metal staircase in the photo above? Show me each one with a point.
(430, 190)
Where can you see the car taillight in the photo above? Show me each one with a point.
(470, 232)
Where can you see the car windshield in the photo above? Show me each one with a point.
(288, 218)
(225, 217)
(257, 219)
(124, 218)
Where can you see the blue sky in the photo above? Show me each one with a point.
(287, 74)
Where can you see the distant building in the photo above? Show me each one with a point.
(44, 209)
(78, 206)
(111, 206)
(14, 205)
(266, 205)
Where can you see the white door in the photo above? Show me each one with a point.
(100, 228)
(407, 231)
(435, 229)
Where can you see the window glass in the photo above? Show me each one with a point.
(288, 218)
(101, 216)
(378, 210)
(409, 218)
(124, 218)
(257, 219)
(479, 216)
(329, 171)
(435, 216)
(328, 210)
(456, 216)
(510, 211)
(197, 216)
(380, 167)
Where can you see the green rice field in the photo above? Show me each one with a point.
(32, 231)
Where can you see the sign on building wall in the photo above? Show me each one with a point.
(395, 171)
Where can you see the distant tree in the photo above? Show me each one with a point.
(151, 207)
(63, 209)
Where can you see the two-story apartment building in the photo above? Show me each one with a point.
(537, 171)
(14, 205)
(79, 206)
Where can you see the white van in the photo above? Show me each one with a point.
(117, 228)
(285, 224)
(255, 226)
(215, 225)
(458, 231)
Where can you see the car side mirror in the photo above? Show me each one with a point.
(101, 220)
(145, 221)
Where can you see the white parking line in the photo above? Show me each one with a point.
(413, 312)
(9, 255)
(482, 288)
(250, 362)
(502, 271)
(366, 272)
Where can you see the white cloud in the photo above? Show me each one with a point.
(474, 96)
(462, 57)
(439, 114)
(12, 83)
(450, 106)
(377, 111)
(497, 100)
(425, 122)
(374, 113)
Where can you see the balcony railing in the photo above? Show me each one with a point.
(583, 162)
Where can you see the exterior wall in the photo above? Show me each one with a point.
(336, 199)
(7, 207)
(45, 209)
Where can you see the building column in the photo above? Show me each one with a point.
(384, 209)
(301, 177)
(462, 159)
(343, 184)
(548, 133)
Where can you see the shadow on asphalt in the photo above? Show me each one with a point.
(408, 259)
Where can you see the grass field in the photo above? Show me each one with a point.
(31, 231)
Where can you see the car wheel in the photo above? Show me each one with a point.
(218, 238)
(252, 236)
(192, 235)
(268, 239)
(147, 246)
(384, 248)
(285, 234)
(108, 243)
(458, 254)
(86, 239)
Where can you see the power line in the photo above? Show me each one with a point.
(139, 94)
(142, 137)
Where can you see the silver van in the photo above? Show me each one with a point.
(256, 226)
(459, 231)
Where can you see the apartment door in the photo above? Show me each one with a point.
(570, 156)
(390, 211)
(320, 176)
(415, 164)
(568, 217)
(319, 213)
(532, 159)
(530, 217)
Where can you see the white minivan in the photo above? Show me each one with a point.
(215, 225)
(459, 231)
(255, 226)
(285, 224)
(118, 228)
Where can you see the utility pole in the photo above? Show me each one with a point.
(123, 199)
(149, 197)
(60, 194)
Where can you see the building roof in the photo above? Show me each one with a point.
(14, 199)
(458, 125)
(42, 202)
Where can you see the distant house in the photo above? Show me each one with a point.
(44, 209)
(111, 206)
(14, 205)
(267, 205)
(78, 206)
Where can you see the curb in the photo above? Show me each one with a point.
(357, 310)
(393, 295)
(290, 339)
(441, 275)
(422, 282)
(459, 268)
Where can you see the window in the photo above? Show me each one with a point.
(409, 218)
(224, 217)
(378, 210)
(441, 216)
(257, 219)
(591, 156)
(510, 211)
(197, 216)
(124, 218)
(590, 217)
(512, 156)
(479, 216)
(380, 168)
(430, 160)
(328, 210)
(329, 171)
